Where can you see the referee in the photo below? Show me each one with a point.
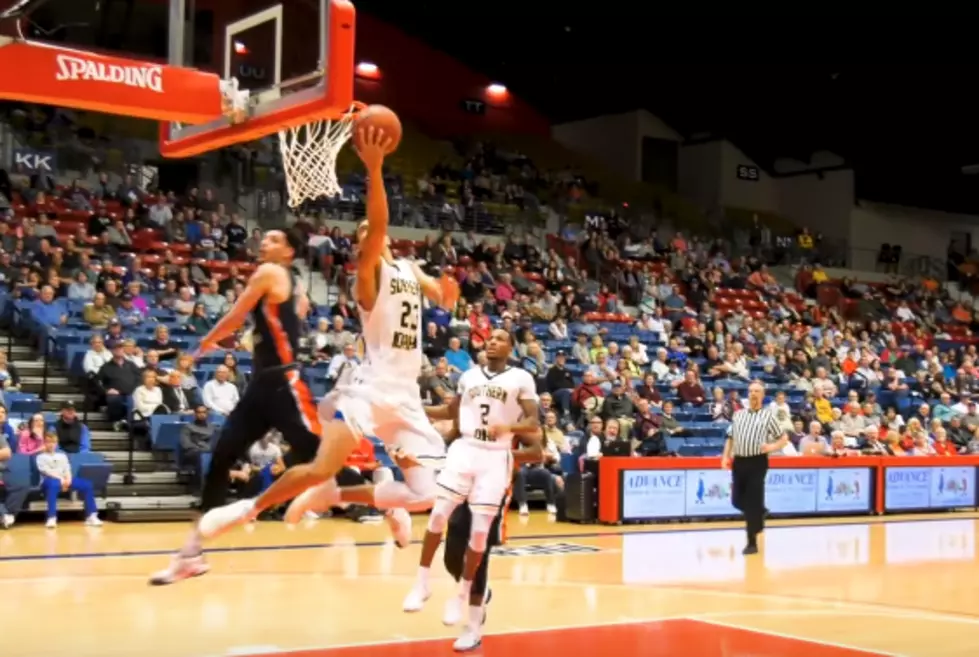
(753, 435)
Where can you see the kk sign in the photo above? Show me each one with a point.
(34, 161)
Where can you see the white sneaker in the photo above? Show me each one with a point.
(470, 640)
(453, 610)
(316, 499)
(416, 598)
(524, 511)
(180, 568)
(52, 523)
(219, 520)
(93, 521)
(311, 515)
(399, 521)
(552, 509)
(7, 521)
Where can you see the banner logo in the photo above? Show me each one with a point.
(843, 489)
(72, 68)
(35, 161)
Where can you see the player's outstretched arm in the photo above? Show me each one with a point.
(373, 146)
(443, 291)
(258, 286)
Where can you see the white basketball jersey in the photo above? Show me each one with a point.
(487, 399)
(392, 331)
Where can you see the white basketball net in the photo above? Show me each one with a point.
(309, 157)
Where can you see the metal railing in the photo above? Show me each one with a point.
(909, 264)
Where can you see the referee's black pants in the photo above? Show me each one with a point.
(748, 475)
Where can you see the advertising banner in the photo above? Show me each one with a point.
(658, 494)
(908, 488)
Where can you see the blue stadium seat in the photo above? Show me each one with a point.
(93, 468)
(165, 431)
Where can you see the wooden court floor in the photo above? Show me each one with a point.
(333, 588)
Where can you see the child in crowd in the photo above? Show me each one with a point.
(56, 479)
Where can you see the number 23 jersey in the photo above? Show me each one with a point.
(392, 330)
(487, 399)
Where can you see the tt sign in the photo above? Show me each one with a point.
(34, 161)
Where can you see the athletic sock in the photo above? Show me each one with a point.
(423, 575)
(465, 586)
(192, 548)
(476, 615)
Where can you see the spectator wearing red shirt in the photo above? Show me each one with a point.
(943, 447)
(588, 394)
(691, 393)
(505, 291)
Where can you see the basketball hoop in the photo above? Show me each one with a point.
(309, 156)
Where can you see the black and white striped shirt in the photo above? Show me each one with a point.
(750, 430)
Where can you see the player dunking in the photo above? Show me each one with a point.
(382, 398)
(275, 398)
(494, 404)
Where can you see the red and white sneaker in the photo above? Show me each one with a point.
(180, 568)
(399, 521)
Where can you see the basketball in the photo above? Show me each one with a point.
(378, 117)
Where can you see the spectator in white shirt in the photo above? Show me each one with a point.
(783, 413)
(56, 479)
(265, 458)
(148, 398)
(904, 313)
(160, 213)
(558, 329)
(96, 356)
(220, 394)
(343, 364)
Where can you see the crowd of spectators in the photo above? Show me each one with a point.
(634, 336)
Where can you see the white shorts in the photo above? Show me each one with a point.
(354, 404)
(478, 474)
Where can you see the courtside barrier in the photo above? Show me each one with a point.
(635, 489)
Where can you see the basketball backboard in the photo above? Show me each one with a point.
(295, 57)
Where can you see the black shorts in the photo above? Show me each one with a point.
(276, 398)
(457, 543)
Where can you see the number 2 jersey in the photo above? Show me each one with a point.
(487, 398)
(392, 330)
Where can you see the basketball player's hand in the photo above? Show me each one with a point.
(404, 460)
(204, 347)
(725, 462)
(373, 146)
(450, 291)
(497, 430)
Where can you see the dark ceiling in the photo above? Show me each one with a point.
(897, 104)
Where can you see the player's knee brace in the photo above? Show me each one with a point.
(438, 520)
(479, 534)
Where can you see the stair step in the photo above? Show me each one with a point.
(154, 502)
(140, 489)
(110, 444)
(53, 379)
(30, 366)
(149, 478)
(140, 456)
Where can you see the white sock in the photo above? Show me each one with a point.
(423, 575)
(475, 618)
(465, 586)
